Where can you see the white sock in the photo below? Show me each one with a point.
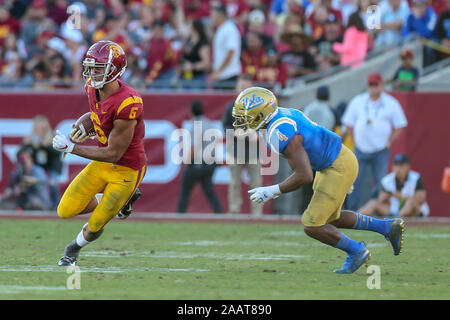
(81, 241)
(99, 196)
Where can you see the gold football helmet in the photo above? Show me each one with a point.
(254, 108)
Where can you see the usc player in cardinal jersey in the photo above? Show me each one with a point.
(119, 160)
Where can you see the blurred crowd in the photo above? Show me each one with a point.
(34, 182)
(206, 44)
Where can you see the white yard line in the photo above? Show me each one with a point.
(207, 243)
(192, 255)
(20, 289)
(51, 268)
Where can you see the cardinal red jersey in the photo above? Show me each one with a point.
(126, 103)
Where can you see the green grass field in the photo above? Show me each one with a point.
(149, 260)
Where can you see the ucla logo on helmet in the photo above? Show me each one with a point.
(256, 101)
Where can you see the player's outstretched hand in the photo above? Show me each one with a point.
(264, 194)
(62, 143)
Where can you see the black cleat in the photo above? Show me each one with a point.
(126, 211)
(67, 261)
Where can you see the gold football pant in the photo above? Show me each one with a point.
(330, 187)
(118, 183)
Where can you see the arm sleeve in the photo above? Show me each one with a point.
(406, 26)
(348, 44)
(399, 119)
(233, 41)
(130, 108)
(280, 136)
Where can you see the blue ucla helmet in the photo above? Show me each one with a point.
(254, 108)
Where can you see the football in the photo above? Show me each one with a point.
(86, 121)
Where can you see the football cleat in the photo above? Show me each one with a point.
(67, 261)
(126, 211)
(353, 262)
(395, 235)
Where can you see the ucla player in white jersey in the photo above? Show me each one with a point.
(307, 147)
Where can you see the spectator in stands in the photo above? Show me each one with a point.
(8, 24)
(257, 23)
(12, 66)
(14, 73)
(254, 55)
(35, 22)
(422, 22)
(443, 31)
(241, 160)
(226, 47)
(320, 110)
(28, 187)
(196, 9)
(280, 8)
(113, 29)
(402, 193)
(238, 11)
(322, 50)
(39, 144)
(40, 74)
(406, 77)
(161, 59)
(393, 14)
(335, 11)
(198, 172)
(364, 12)
(57, 11)
(353, 50)
(140, 30)
(195, 61)
(37, 52)
(298, 60)
(347, 7)
(317, 21)
(374, 120)
(92, 7)
(74, 51)
(58, 75)
(274, 72)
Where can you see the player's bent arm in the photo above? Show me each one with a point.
(118, 141)
(299, 162)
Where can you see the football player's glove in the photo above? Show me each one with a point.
(79, 134)
(264, 194)
(62, 143)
